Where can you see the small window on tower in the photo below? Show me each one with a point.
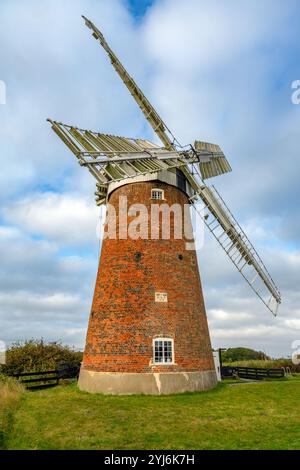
(163, 351)
(157, 194)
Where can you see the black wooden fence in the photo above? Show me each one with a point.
(32, 380)
(252, 373)
(49, 378)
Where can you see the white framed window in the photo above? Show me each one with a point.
(157, 194)
(163, 351)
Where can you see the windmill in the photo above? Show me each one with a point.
(148, 329)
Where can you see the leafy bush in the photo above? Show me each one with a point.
(37, 355)
(242, 354)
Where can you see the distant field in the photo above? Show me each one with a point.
(253, 416)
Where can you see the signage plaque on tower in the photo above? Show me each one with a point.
(161, 297)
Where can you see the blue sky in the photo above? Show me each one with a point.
(139, 7)
(216, 71)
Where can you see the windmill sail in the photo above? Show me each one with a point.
(215, 162)
(146, 107)
(229, 234)
(212, 161)
(150, 113)
(112, 158)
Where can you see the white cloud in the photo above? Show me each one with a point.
(40, 305)
(9, 233)
(224, 316)
(65, 218)
(254, 333)
(199, 34)
(294, 323)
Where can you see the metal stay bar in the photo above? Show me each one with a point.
(95, 166)
(149, 155)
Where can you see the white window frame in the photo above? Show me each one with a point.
(160, 191)
(163, 362)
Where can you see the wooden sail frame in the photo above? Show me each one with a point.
(113, 158)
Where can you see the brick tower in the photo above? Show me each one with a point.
(148, 330)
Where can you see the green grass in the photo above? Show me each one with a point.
(10, 398)
(251, 416)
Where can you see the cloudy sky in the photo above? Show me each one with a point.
(216, 70)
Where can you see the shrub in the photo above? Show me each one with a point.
(37, 355)
(242, 354)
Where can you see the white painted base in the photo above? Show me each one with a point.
(113, 383)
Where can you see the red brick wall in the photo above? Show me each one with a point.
(125, 317)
